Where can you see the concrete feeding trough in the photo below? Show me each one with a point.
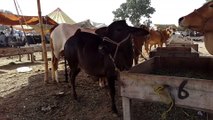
(175, 51)
(191, 75)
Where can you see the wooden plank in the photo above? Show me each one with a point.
(202, 64)
(141, 86)
(194, 46)
(38, 48)
(210, 116)
(4, 52)
(147, 66)
(126, 103)
(174, 49)
(25, 50)
(170, 54)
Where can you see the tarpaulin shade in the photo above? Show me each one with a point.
(12, 19)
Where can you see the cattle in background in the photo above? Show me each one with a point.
(18, 41)
(3, 42)
(35, 39)
(15, 42)
(138, 41)
(101, 56)
(58, 36)
(179, 39)
(157, 37)
(11, 41)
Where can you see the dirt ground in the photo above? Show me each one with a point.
(24, 96)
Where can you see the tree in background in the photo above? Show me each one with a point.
(5, 11)
(148, 23)
(134, 11)
(208, 0)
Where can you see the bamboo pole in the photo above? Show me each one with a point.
(44, 51)
(20, 22)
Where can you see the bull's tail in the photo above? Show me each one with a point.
(54, 68)
(54, 61)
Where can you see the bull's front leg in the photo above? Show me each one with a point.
(111, 84)
(73, 73)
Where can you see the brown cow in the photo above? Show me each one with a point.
(59, 36)
(198, 19)
(138, 41)
(201, 20)
(157, 37)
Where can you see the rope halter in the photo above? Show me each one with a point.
(116, 50)
(116, 43)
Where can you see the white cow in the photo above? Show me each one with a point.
(58, 38)
(179, 39)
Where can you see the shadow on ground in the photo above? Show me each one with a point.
(36, 101)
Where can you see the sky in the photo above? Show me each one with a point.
(167, 11)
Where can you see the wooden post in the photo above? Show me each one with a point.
(19, 58)
(44, 51)
(210, 116)
(126, 103)
(32, 57)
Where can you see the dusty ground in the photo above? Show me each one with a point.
(24, 96)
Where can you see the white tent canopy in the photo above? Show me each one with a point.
(90, 24)
(60, 17)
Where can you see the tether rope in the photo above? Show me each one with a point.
(166, 97)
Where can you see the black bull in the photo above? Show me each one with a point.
(100, 55)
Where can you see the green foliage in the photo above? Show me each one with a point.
(208, 0)
(148, 23)
(5, 11)
(134, 11)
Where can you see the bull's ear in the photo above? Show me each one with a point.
(77, 31)
(102, 31)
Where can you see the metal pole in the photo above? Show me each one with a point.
(44, 51)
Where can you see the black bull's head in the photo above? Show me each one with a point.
(117, 43)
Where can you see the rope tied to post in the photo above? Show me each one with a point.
(166, 97)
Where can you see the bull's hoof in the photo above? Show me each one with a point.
(66, 81)
(46, 82)
(55, 82)
(115, 114)
(75, 97)
(114, 110)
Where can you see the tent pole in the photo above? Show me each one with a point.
(44, 51)
(20, 22)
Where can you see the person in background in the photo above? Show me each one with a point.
(11, 31)
(3, 42)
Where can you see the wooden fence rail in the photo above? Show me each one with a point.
(30, 50)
